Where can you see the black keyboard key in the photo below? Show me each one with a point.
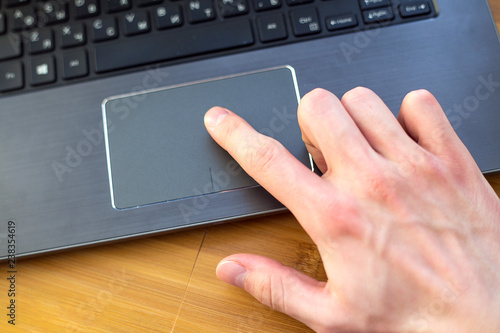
(140, 51)
(414, 9)
(341, 22)
(369, 4)
(200, 10)
(104, 29)
(136, 23)
(40, 41)
(266, 4)
(11, 76)
(378, 15)
(53, 11)
(85, 8)
(10, 46)
(271, 27)
(72, 35)
(167, 17)
(12, 3)
(305, 21)
(2, 23)
(75, 64)
(23, 18)
(43, 70)
(230, 8)
(118, 5)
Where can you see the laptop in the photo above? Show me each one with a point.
(102, 101)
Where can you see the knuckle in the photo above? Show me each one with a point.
(262, 155)
(230, 128)
(345, 214)
(440, 135)
(271, 291)
(427, 163)
(418, 162)
(381, 184)
(277, 293)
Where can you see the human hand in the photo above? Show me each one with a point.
(407, 227)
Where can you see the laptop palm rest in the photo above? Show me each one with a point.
(158, 149)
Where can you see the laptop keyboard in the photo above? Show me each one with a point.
(55, 42)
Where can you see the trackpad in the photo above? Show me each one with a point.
(158, 149)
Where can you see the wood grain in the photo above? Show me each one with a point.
(232, 310)
(162, 284)
(133, 286)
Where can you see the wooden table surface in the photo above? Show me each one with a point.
(161, 284)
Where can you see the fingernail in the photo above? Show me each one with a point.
(232, 273)
(214, 116)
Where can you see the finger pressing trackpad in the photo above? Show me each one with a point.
(158, 149)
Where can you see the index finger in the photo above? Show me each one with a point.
(265, 160)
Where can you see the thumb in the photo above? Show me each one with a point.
(280, 287)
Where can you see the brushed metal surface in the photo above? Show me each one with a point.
(53, 175)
